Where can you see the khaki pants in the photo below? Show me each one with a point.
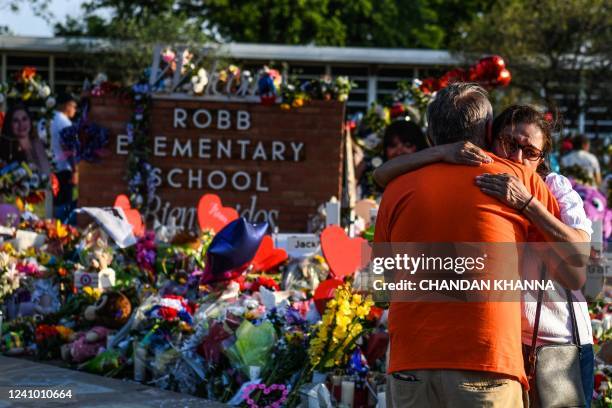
(453, 389)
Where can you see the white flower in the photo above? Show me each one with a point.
(597, 328)
(1, 98)
(50, 102)
(416, 83)
(199, 81)
(607, 323)
(100, 78)
(44, 91)
(251, 303)
(372, 141)
(377, 162)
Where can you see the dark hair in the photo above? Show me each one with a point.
(408, 133)
(580, 140)
(515, 115)
(64, 98)
(9, 145)
(459, 112)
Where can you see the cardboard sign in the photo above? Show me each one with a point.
(344, 255)
(298, 245)
(212, 215)
(101, 280)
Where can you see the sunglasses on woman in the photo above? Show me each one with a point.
(510, 146)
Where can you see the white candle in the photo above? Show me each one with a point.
(140, 363)
(348, 392)
(382, 400)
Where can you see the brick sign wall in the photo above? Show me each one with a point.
(270, 164)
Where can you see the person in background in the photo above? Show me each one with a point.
(64, 202)
(403, 137)
(584, 159)
(18, 143)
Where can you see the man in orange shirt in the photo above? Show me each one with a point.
(456, 354)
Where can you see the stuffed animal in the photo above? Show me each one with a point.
(85, 345)
(596, 207)
(112, 310)
(96, 256)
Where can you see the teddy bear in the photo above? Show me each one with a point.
(85, 345)
(112, 310)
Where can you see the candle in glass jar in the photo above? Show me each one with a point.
(348, 392)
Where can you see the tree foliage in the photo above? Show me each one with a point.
(130, 33)
(377, 23)
(552, 48)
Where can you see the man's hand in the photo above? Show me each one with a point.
(464, 153)
(506, 188)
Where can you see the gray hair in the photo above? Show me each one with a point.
(459, 112)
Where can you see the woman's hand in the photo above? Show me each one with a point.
(506, 188)
(464, 153)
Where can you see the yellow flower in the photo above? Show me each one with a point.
(44, 258)
(62, 230)
(8, 248)
(64, 332)
(285, 106)
(92, 292)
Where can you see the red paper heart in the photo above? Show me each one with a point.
(212, 215)
(343, 254)
(267, 257)
(133, 215)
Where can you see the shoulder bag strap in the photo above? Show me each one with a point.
(572, 312)
(536, 326)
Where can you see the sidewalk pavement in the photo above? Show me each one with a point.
(88, 390)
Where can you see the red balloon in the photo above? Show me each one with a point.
(397, 109)
(429, 85)
(324, 292)
(504, 77)
(455, 75)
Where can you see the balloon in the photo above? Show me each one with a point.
(268, 257)
(504, 77)
(233, 247)
(9, 215)
(324, 292)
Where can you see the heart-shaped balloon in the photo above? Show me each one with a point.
(133, 215)
(267, 257)
(344, 255)
(212, 215)
(324, 292)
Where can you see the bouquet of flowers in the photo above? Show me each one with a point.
(23, 181)
(9, 275)
(28, 85)
(333, 339)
